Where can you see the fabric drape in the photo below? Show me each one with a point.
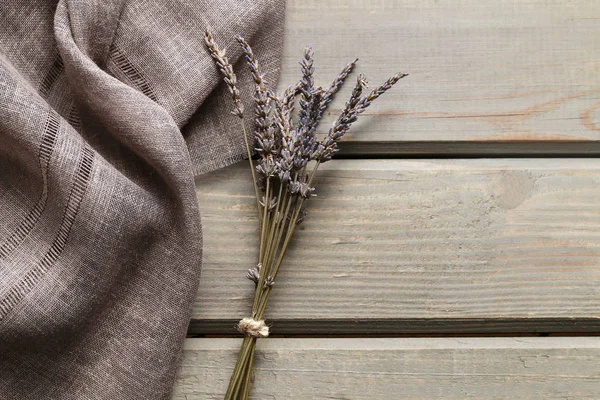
(107, 111)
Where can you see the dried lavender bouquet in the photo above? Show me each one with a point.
(289, 155)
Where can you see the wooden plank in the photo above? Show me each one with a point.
(459, 368)
(500, 245)
(480, 70)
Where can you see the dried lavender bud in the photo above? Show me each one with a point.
(284, 169)
(261, 183)
(348, 111)
(292, 143)
(227, 72)
(284, 176)
(361, 84)
(317, 151)
(308, 124)
(301, 216)
(306, 65)
(266, 143)
(270, 204)
(368, 99)
(285, 155)
(262, 122)
(284, 165)
(282, 114)
(336, 85)
(268, 282)
(294, 187)
(254, 273)
(266, 167)
(251, 60)
(302, 189)
(299, 160)
(265, 138)
(289, 95)
(344, 121)
(308, 103)
(306, 192)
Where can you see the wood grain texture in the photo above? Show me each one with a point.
(461, 368)
(471, 242)
(480, 70)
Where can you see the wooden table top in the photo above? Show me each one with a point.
(459, 223)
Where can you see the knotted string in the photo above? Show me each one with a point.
(254, 328)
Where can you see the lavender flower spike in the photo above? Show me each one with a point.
(252, 62)
(368, 99)
(307, 83)
(337, 84)
(306, 64)
(227, 71)
(349, 114)
(264, 133)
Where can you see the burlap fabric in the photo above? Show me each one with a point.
(107, 110)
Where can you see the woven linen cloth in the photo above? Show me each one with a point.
(107, 110)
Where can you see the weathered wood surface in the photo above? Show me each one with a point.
(460, 368)
(480, 70)
(415, 246)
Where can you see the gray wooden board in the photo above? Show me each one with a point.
(480, 70)
(448, 368)
(415, 246)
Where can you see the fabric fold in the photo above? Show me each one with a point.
(107, 109)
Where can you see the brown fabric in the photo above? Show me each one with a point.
(107, 109)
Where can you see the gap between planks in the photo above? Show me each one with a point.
(390, 327)
(467, 149)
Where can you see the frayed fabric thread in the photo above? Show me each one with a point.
(251, 327)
